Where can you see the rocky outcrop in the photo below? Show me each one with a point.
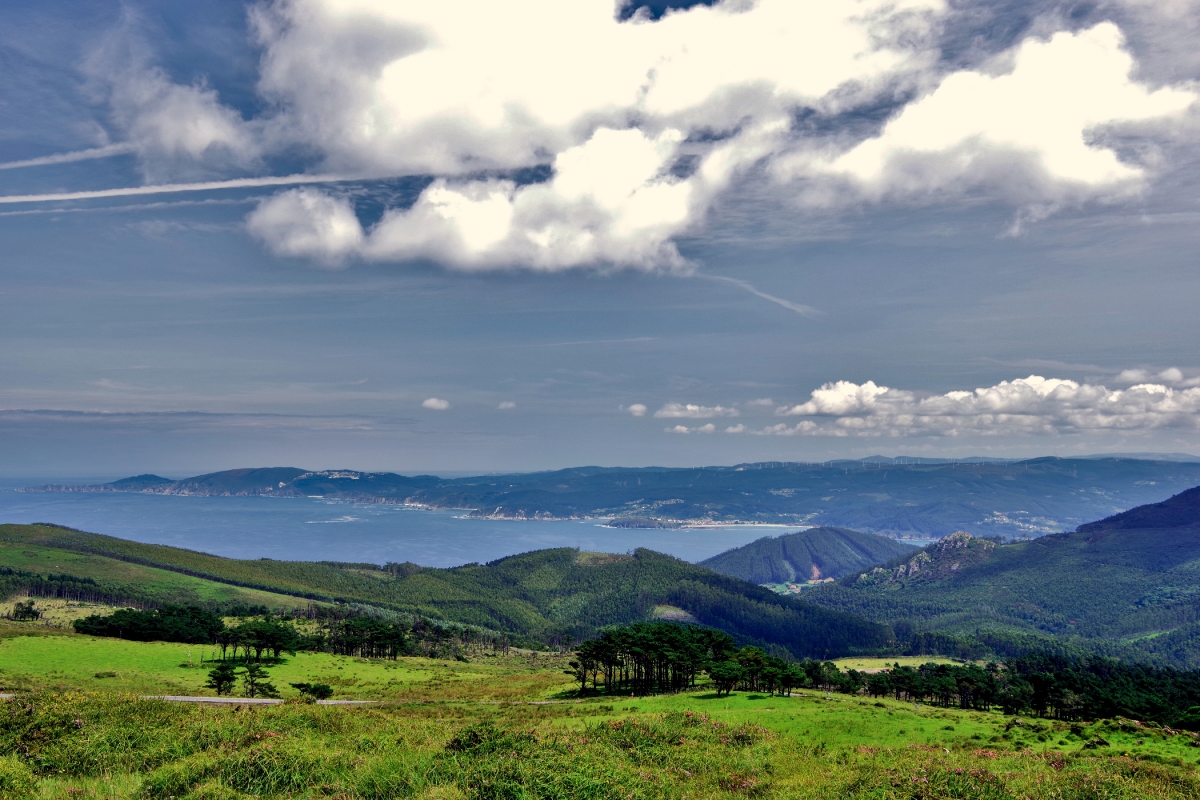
(940, 560)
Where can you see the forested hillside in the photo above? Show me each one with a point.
(813, 554)
(926, 499)
(548, 595)
(1128, 584)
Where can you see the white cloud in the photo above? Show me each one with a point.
(506, 405)
(307, 222)
(706, 428)
(739, 428)
(762, 402)
(1027, 406)
(643, 123)
(456, 88)
(436, 404)
(1045, 117)
(611, 201)
(690, 411)
(1171, 376)
(637, 410)
(173, 128)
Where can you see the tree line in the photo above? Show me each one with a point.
(655, 657)
(362, 632)
(652, 657)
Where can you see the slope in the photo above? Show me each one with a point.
(547, 594)
(1132, 579)
(812, 554)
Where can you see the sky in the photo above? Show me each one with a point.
(486, 237)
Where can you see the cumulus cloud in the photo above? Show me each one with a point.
(690, 411)
(559, 136)
(639, 144)
(436, 404)
(309, 223)
(1033, 405)
(637, 410)
(706, 428)
(1171, 376)
(1045, 115)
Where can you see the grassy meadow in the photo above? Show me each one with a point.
(152, 583)
(511, 727)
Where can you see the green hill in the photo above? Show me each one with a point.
(813, 554)
(545, 595)
(1128, 584)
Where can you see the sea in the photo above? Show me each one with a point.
(316, 529)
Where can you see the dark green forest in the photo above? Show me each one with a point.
(646, 658)
(1127, 586)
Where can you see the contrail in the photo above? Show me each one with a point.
(799, 308)
(67, 158)
(236, 183)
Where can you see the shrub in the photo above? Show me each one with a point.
(16, 780)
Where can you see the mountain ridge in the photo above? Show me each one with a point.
(1130, 581)
(923, 500)
(805, 556)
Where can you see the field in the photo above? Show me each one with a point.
(501, 726)
(72, 662)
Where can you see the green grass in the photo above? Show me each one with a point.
(861, 664)
(693, 746)
(72, 662)
(544, 742)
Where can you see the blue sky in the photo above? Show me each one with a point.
(533, 235)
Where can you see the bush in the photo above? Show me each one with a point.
(16, 780)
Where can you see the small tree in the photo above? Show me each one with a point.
(314, 691)
(222, 679)
(255, 683)
(25, 611)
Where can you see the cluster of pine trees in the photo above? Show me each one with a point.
(1048, 685)
(189, 624)
(653, 657)
(363, 632)
(650, 657)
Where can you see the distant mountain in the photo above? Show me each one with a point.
(1180, 511)
(271, 482)
(138, 483)
(814, 554)
(1186, 457)
(908, 500)
(1128, 584)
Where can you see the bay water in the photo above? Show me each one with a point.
(316, 529)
